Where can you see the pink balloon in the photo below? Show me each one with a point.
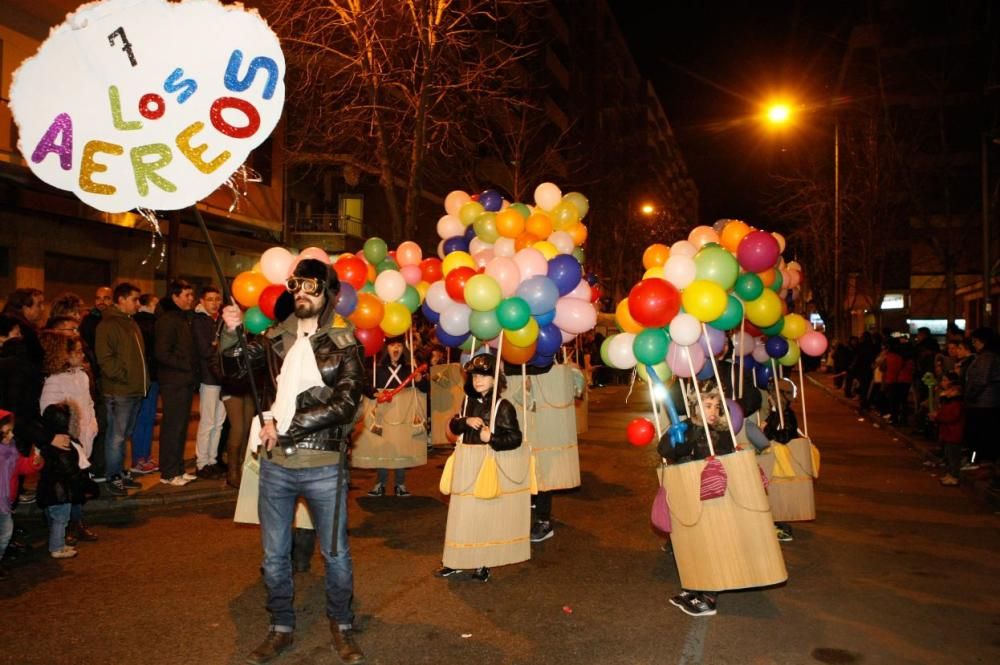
(409, 253)
(677, 359)
(813, 343)
(575, 316)
(582, 291)
(477, 245)
(450, 226)
(504, 247)
(683, 248)
(454, 202)
(743, 343)
(276, 264)
(531, 263)
(483, 257)
(412, 274)
(702, 235)
(506, 273)
(314, 253)
(758, 251)
(760, 354)
(680, 270)
(567, 337)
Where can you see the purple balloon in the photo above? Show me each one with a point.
(677, 359)
(735, 415)
(715, 341)
(456, 244)
(491, 200)
(565, 272)
(347, 299)
(470, 233)
(776, 346)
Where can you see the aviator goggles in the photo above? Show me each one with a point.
(308, 285)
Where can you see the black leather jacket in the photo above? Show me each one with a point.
(324, 415)
(506, 433)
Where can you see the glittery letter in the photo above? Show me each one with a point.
(152, 106)
(194, 153)
(244, 107)
(116, 112)
(88, 167)
(174, 83)
(233, 81)
(148, 170)
(63, 124)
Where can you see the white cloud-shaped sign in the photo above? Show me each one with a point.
(148, 103)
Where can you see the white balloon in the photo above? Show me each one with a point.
(477, 245)
(743, 343)
(440, 250)
(760, 354)
(504, 247)
(455, 319)
(680, 270)
(450, 226)
(547, 196)
(562, 241)
(683, 248)
(685, 329)
(620, 351)
(438, 298)
(390, 285)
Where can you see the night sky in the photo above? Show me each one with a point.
(714, 63)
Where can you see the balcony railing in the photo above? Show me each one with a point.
(328, 223)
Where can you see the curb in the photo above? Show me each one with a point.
(143, 500)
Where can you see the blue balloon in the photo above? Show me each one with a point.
(470, 233)
(545, 318)
(347, 299)
(540, 293)
(592, 279)
(541, 360)
(763, 374)
(491, 200)
(456, 244)
(429, 313)
(454, 341)
(706, 372)
(549, 340)
(776, 347)
(565, 272)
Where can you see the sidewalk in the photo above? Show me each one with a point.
(926, 448)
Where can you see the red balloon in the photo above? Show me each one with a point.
(269, 298)
(430, 270)
(352, 270)
(371, 338)
(751, 329)
(454, 283)
(654, 302)
(640, 432)
(595, 293)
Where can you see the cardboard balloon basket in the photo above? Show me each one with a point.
(727, 542)
(392, 434)
(790, 470)
(447, 393)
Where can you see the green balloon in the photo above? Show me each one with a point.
(375, 250)
(662, 372)
(774, 329)
(579, 201)
(731, 317)
(513, 313)
(411, 299)
(778, 281)
(467, 344)
(486, 227)
(748, 286)
(650, 346)
(484, 325)
(523, 210)
(469, 211)
(256, 321)
(367, 288)
(604, 350)
(717, 265)
(579, 255)
(386, 264)
(791, 356)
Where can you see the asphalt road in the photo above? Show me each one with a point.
(896, 569)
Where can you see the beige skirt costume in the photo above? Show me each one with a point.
(247, 500)
(791, 469)
(446, 400)
(392, 434)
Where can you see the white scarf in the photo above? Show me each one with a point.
(299, 373)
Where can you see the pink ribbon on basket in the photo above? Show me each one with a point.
(660, 514)
(713, 480)
(763, 479)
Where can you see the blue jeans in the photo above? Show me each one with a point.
(122, 412)
(6, 531)
(383, 476)
(279, 490)
(142, 435)
(58, 519)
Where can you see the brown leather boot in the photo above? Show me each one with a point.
(344, 644)
(273, 646)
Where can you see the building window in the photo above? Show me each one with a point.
(352, 214)
(75, 274)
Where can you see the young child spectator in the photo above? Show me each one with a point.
(773, 428)
(12, 465)
(63, 487)
(950, 419)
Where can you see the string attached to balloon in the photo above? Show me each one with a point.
(156, 235)
(237, 184)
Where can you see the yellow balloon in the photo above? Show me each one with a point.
(655, 271)
(795, 326)
(625, 320)
(396, 319)
(421, 288)
(256, 268)
(765, 310)
(457, 260)
(547, 249)
(523, 336)
(704, 300)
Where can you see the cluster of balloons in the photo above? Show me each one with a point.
(379, 289)
(727, 277)
(514, 268)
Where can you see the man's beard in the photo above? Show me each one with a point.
(305, 309)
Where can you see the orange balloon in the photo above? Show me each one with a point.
(509, 223)
(768, 276)
(371, 273)
(655, 256)
(578, 232)
(517, 355)
(247, 288)
(702, 235)
(733, 233)
(539, 225)
(625, 320)
(524, 240)
(369, 311)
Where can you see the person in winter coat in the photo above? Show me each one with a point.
(179, 371)
(12, 465)
(950, 418)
